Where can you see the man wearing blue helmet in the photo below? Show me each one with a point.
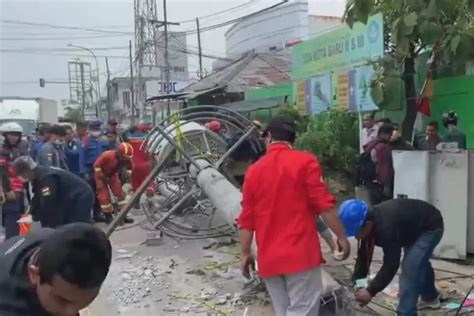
(412, 225)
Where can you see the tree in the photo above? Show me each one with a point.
(74, 114)
(412, 26)
(334, 138)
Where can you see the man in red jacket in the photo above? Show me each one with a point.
(283, 193)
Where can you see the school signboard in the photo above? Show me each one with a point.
(340, 48)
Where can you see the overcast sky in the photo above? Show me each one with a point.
(20, 71)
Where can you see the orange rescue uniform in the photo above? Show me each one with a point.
(106, 171)
(141, 162)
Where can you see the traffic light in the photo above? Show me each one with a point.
(42, 83)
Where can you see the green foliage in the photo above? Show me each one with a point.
(412, 25)
(291, 111)
(74, 114)
(333, 137)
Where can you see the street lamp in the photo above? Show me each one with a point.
(98, 75)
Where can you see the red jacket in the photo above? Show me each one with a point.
(283, 193)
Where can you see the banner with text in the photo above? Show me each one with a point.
(339, 48)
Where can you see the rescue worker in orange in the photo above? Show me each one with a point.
(106, 175)
(141, 160)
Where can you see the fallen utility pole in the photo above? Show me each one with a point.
(135, 197)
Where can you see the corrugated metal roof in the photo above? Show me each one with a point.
(252, 70)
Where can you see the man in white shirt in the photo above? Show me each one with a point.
(369, 132)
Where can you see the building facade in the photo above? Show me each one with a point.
(274, 30)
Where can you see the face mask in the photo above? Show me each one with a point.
(95, 134)
(58, 142)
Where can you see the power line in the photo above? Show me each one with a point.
(63, 27)
(59, 49)
(220, 12)
(57, 38)
(219, 25)
(56, 54)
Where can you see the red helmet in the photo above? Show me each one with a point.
(143, 128)
(214, 126)
(125, 150)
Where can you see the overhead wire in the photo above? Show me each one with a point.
(59, 38)
(222, 24)
(48, 25)
(221, 12)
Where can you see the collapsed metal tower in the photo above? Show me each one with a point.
(193, 164)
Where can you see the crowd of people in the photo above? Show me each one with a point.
(284, 195)
(80, 169)
(375, 171)
(285, 202)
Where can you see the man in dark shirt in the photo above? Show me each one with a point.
(53, 272)
(59, 197)
(381, 155)
(432, 139)
(454, 135)
(412, 225)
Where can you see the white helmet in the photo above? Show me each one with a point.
(11, 127)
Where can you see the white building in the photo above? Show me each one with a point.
(275, 30)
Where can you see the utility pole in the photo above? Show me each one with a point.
(132, 93)
(109, 101)
(83, 91)
(199, 48)
(167, 61)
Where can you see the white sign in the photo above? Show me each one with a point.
(177, 55)
(157, 87)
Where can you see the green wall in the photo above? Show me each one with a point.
(279, 90)
(455, 94)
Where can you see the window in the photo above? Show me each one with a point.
(126, 99)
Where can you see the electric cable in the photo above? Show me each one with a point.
(54, 26)
(251, 2)
(222, 24)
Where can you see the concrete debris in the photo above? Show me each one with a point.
(140, 280)
(154, 239)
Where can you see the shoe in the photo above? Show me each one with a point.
(128, 220)
(99, 218)
(108, 218)
(435, 304)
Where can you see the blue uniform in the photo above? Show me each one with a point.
(51, 155)
(93, 148)
(74, 152)
(36, 147)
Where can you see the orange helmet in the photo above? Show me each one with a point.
(125, 150)
(214, 126)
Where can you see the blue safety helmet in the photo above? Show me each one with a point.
(352, 214)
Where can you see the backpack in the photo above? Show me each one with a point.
(365, 169)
